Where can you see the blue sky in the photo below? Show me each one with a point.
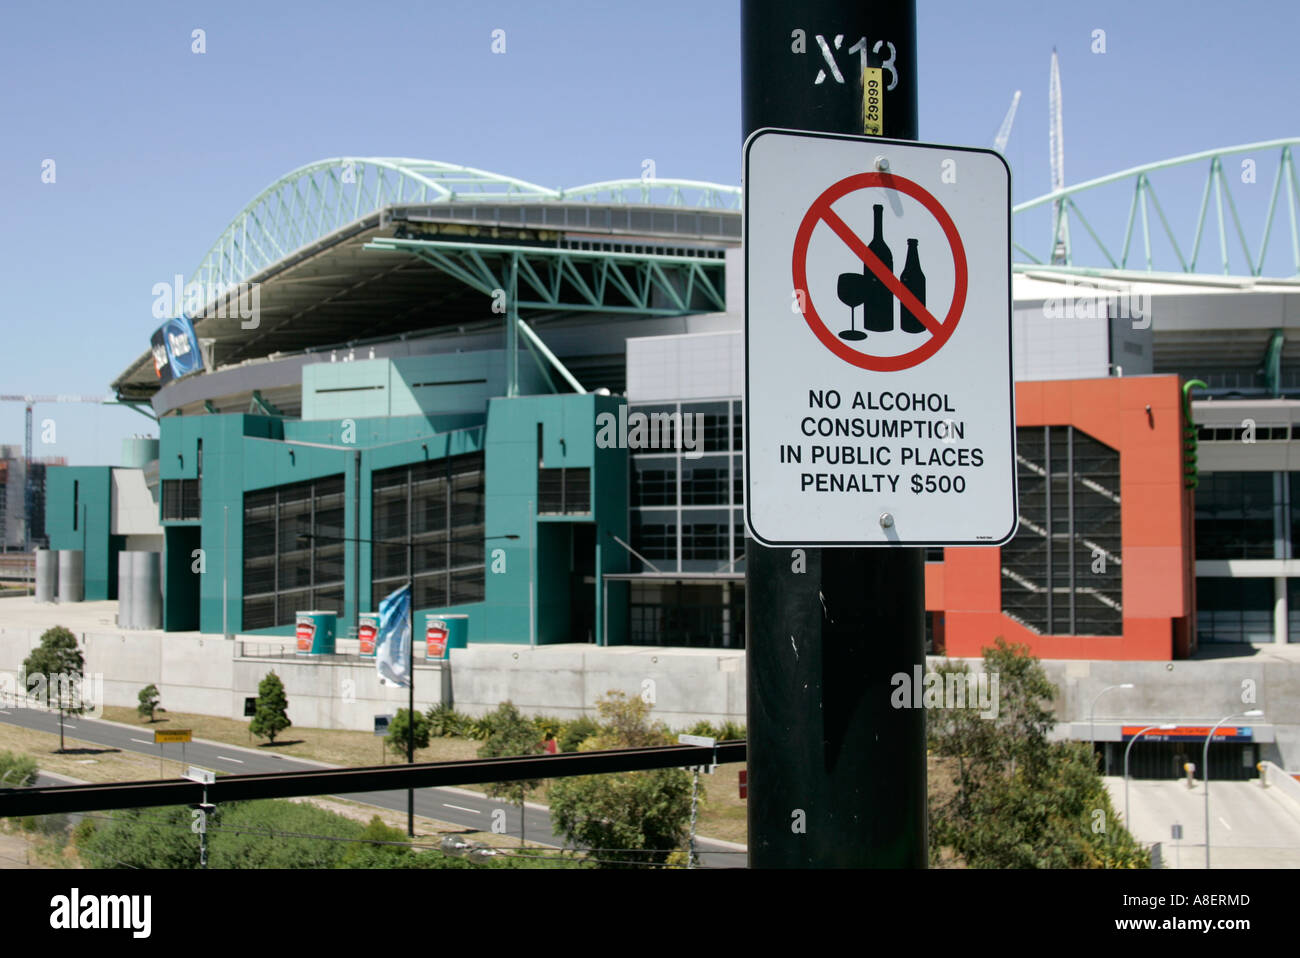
(157, 148)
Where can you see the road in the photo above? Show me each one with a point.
(1250, 826)
(456, 806)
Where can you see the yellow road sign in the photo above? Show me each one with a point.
(172, 735)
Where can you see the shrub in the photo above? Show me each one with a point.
(271, 716)
(17, 771)
(397, 732)
(445, 721)
(576, 732)
(148, 701)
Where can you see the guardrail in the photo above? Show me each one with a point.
(1274, 776)
(18, 568)
(245, 649)
(345, 781)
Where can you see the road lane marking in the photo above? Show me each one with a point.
(462, 808)
(143, 742)
(226, 758)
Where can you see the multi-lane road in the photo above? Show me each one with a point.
(455, 806)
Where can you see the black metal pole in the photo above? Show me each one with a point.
(837, 777)
(410, 683)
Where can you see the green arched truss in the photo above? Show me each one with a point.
(320, 198)
(1195, 253)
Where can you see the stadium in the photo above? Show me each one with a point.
(400, 370)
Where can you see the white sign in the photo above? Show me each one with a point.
(702, 740)
(200, 775)
(879, 402)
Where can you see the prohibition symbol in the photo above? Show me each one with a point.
(821, 212)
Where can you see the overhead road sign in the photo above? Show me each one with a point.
(879, 400)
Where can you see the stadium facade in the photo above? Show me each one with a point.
(528, 401)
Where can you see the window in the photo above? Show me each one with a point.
(1234, 610)
(431, 513)
(293, 551)
(687, 614)
(694, 492)
(564, 491)
(1234, 515)
(181, 499)
(654, 481)
(1061, 572)
(654, 535)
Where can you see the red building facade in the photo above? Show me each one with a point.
(1102, 566)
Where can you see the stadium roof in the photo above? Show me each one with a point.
(354, 248)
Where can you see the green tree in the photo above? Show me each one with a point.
(509, 734)
(383, 847)
(54, 669)
(17, 770)
(1016, 799)
(148, 701)
(260, 834)
(577, 732)
(626, 818)
(397, 728)
(270, 716)
(625, 723)
(141, 838)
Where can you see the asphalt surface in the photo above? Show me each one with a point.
(1250, 826)
(452, 805)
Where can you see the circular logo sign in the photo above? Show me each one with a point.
(821, 212)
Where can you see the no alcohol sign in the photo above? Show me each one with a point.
(879, 402)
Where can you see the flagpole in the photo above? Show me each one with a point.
(410, 645)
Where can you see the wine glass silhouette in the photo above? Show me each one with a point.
(852, 291)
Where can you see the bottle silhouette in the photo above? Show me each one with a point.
(878, 303)
(914, 281)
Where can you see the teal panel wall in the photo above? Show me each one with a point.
(436, 384)
(88, 529)
(568, 438)
(245, 452)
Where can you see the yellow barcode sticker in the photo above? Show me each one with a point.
(873, 101)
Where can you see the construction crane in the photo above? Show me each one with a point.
(29, 490)
(1056, 149)
(1004, 131)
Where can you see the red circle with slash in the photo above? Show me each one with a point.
(821, 212)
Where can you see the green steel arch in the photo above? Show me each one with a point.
(1191, 255)
(315, 200)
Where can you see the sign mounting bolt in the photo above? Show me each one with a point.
(886, 521)
(882, 164)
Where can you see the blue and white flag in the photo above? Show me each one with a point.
(393, 644)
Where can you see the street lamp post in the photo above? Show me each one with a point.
(1128, 749)
(1205, 771)
(1092, 715)
(410, 646)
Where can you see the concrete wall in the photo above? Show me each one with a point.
(133, 509)
(204, 675)
(686, 685)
